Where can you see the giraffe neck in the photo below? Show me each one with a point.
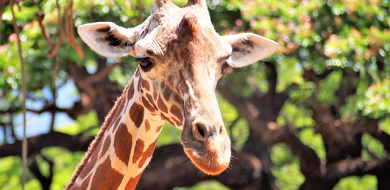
(124, 145)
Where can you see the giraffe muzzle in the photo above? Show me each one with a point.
(207, 145)
(202, 132)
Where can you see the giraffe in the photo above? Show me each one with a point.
(181, 58)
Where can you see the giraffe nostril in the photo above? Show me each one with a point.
(199, 131)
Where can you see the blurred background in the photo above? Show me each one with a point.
(314, 115)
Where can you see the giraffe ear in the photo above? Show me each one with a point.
(249, 48)
(109, 39)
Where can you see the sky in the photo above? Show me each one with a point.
(39, 123)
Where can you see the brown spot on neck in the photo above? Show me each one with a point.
(123, 143)
(85, 184)
(177, 122)
(167, 93)
(106, 177)
(106, 146)
(158, 129)
(161, 105)
(138, 150)
(155, 89)
(130, 90)
(133, 182)
(178, 99)
(147, 125)
(148, 105)
(88, 168)
(162, 85)
(167, 119)
(176, 112)
(147, 154)
(145, 84)
(152, 101)
(137, 114)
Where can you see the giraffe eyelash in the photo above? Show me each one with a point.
(145, 63)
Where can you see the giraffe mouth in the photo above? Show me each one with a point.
(207, 148)
(209, 163)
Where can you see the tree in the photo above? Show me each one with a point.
(313, 116)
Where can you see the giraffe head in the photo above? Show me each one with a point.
(182, 57)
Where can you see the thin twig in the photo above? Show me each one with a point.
(54, 49)
(40, 16)
(13, 134)
(69, 27)
(53, 113)
(24, 142)
(4, 126)
(94, 78)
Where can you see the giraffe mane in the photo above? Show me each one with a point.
(108, 121)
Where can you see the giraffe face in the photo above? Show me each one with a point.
(182, 57)
(191, 76)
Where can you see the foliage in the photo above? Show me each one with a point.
(366, 182)
(11, 172)
(205, 185)
(285, 167)
(84, 124)
(62, 164)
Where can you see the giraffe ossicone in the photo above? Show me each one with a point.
(181, 58)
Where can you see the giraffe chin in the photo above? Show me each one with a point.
(208, 159)
(206, 166)
(207, 145)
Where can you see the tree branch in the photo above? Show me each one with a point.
(357, 166)
(311, 75)
(34, 168)
(50, 107)
(91, 85)
(270, 133)
(39, 17)
(78, 142)
(384, 138)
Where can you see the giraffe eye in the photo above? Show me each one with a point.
(145, 63)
